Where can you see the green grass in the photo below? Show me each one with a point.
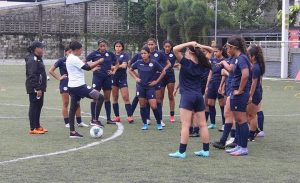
(138, 156)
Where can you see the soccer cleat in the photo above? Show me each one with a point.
(117, 119)
(251, 139)
(172, 119)
(260, 134)
(82, 124)
(148, 122)
(75, 135)
(218, 145)
(177, 154)
(240, 152)
(194, 134)
(110, 122)
(232, 145)
(35, 131)
(202, 153)
(159, 127)
(221, 129)
(144, 127)
(42, 129)
(162, 123)
(130, 119)
(231, 140)
(232, 149)
(67, 125)
(212, 126)
(96, 123)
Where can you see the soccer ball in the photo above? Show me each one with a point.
(48, 77)
(96, 132)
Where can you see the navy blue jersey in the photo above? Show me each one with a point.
(61, 64)
(172, 58)
(159, 57)
(135, 58)
(216, 70)
(190, 76)
(123, 57)
(241, 62)
(256, 74)
(230, 61)
(146, 70)
(109, 59)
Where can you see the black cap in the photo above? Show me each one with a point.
(36, 44)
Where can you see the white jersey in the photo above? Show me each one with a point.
(75, 73)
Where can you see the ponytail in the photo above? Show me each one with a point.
(257, 52)
(202, 59)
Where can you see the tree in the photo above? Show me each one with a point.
(293, 13)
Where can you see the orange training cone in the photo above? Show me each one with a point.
(298, 76)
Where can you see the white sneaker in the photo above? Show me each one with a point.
(162, 123)
(82, 124)
(148, 122)
(229, 141)
(67, 125)
(261, 134)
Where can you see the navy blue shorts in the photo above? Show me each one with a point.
(239, 102)
(257, 97)
(228, 90)
(192, 101)
(80, 92)
(145, 92)
(102, 82)
(120, 81)
(63, 86)
(212, 92)
(169, 78)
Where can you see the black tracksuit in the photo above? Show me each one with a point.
(36, 79)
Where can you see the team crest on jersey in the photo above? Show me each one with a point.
(35, 58)
(151, 65)
(106, 54)
(171, 55)
(156, 55)
(121, 56)
(236, 61)
(65, 88)
(94, 85)
(98, 55)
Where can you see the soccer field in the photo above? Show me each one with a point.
(132, 155)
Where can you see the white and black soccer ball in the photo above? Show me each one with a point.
(96, 132)
(48, 77)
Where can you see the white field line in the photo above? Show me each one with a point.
(119, 132)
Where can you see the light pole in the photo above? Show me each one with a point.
(216, 20)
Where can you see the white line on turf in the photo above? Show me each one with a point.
(119, 132)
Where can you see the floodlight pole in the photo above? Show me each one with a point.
(156, 23)
(216, 20)
(284, 39)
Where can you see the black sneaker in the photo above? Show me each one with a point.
(194, 135)
(96, 123)
(251, 139)
(75, 135)
(231, 145)
(218, 145)
(110, 122)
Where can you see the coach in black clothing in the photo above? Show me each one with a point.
(36, 84)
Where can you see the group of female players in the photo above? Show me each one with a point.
(231, 73)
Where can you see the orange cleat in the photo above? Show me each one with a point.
(42, 129)
(117, 119)
(130, 119)
(36, 131)
(172, 119)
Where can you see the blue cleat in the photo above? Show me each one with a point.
(202, 153)
(159, 127)
(177, 154)
(145, 127)
(212, 126)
